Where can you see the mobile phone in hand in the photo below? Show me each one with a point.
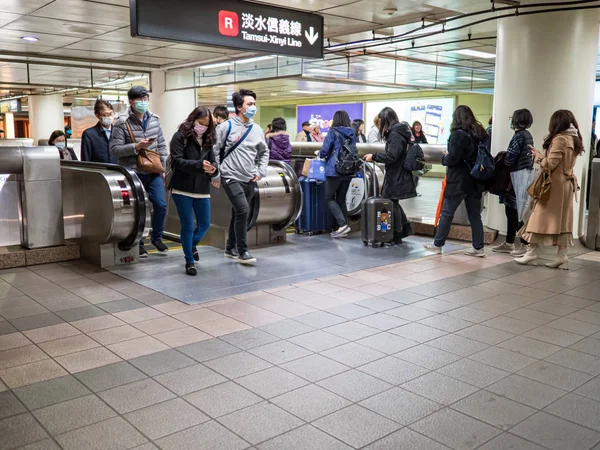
(151, 140)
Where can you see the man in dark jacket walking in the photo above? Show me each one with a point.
(95, 140)
(144, 127)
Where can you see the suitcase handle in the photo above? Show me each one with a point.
(372, 177)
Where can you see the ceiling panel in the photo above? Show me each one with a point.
(24, 47)
(168, 52)
(101, 45)
(33, 25)
(22, 6)
(86, 11)
(47, 40)
(146, 60)
(86, 54)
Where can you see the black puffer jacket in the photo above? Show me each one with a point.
(461, 156)
(186, 158)
(399, 183)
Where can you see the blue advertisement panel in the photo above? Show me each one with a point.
(322, 114)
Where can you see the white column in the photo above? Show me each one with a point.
(172, 107)
(545, 62)
(46, 114)
(9, 125)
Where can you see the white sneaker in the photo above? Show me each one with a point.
(505, 247)
(342, 232)
(475, 252)
(433, 248)
(519, 251)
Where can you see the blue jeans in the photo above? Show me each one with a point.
(155, 188)
(188, 209)
(449, 207)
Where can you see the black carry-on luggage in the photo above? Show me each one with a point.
(377, 215)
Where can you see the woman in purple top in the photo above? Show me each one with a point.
(278, 141)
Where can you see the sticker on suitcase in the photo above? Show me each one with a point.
(383, 221)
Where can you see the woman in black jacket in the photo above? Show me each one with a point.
(466, 133)
(399, 183)
(193, 164)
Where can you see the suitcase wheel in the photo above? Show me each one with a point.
(365, 243)
(377, 244)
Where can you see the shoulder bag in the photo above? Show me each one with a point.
(148, 161)
(222, 154)
(539, 190)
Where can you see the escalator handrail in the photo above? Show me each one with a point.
(254, 207)
(138, 190)
(297, 209)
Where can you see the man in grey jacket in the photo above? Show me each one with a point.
(243, 156)
(140, 129)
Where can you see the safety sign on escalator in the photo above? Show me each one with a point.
(230, 23)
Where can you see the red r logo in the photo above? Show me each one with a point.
(228, 23)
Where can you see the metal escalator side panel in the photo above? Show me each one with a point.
(292, 185)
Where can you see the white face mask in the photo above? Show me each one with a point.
(107, 120)
(60, 145)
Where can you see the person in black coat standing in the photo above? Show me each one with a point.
(399, 183)
(465, 135)
(95, 140)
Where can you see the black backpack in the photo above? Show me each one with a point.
(484, 168)
(347, 159)
(415, 158)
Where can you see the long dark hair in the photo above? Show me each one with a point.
(387, 118)
(415, 123)
(464, 119)
(356, 124)
(187, 127)
(341, 119)
(56, 134)
(560, 122)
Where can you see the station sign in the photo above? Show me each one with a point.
(233, 24)
(10, 106)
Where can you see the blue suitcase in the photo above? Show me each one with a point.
(316, 216)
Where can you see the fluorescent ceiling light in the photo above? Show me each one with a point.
(301, 91)
(475, 53)
(251, 60)
(328, 71)
(30, 38)
(118, 81)
(215, 65)
(431, 82)
(472, 78)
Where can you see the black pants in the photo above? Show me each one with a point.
(512, 225)
(240, 195)
(402, 227)
(336, 189)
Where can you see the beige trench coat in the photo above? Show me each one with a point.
(555, 215)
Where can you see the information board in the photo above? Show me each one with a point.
(13, 105)
(322, 114)
(230, 23)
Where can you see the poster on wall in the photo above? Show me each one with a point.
(435, 115)
(322, 114)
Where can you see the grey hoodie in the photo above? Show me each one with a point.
(249, 159)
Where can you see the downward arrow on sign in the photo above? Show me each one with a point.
(312, 36)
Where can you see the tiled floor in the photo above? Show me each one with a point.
(430, 353)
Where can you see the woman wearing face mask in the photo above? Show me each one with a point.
(194, 167)
(59, 140)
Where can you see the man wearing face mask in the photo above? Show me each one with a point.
(147, 135)
(243, 156)
(95, 140)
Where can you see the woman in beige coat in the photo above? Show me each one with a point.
(551, 222)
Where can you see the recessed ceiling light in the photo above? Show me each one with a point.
(30, 38)
(301, 91)
(431, 82)
(472, 78)
(274, 94)
(475, 53)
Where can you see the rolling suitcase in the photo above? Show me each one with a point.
(316, 216)
(377, 217)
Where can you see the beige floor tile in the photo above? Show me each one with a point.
(139, 315)
(97, 323)
(425, 277)
(372, 277)
(198, 316)
(375, 289)
(259, 318)
(323, 288)
(351, 295)
(231, 307)
(324, 302)
(21, 355)
(399, 283)
(138, 347)
(13, 340)
(160, 325)
(68, 345)
(27, 374)
(51, 333)
(103, 297)
(3, 387)
(182, 336)
(171, 308)
(88, 359)
(287, 308)
(223, 326)
(116, 334)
